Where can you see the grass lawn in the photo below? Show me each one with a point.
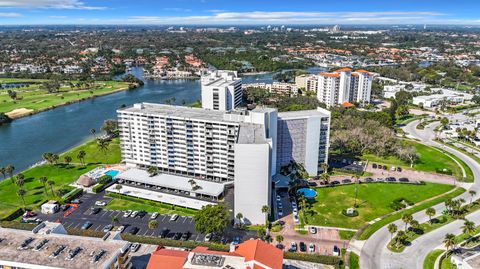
(346, 235)
(94, 155)
(61, 174)
(429, 262)
(354, 261)
(430, 160)
(36, 98)
(371, 229)
(373, 199)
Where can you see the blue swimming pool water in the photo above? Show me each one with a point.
(112, 173)
(308, 193)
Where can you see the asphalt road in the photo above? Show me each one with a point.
(374, 253)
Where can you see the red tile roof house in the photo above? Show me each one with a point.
(252, 254)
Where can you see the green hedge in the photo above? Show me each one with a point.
(89, 233)
(104, 179)
(18, 225)
(152, 203)
(323, 259)
(13, 214)
(75, 193)
(173, 243)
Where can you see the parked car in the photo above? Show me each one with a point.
(313, 230)
(208, 237)
(133, 230)
(393, 169)
(374, 165)
(96, 210)
(336, 251)
(177, 236)
(185, 236)
(121, 228)
(278, 198)
(64, 207)
(174, 217)
(107, 228)
(399, 169)
(312, 184)
(293, 247)
(311, 247)
(280, 246)
(154, 215)
(100, 203)
(127, 213)
(280, 212)
(346, 180)
(141, 214)
(76, 201)
(303, 247)
(134, 247)
(134, 214)
(86, 225)
(368, 179)
(164, 233)
(335, 182)
(391, 179)
(295, 219)
(403, 179)
(385, 167)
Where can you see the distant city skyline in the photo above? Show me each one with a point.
(248, 12)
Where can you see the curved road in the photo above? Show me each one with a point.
(375, 254)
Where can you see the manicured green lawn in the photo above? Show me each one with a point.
(354, 261)
(61, 174)
(430, 160)
(429, 262)
(346, 235)
(373, 199)
(94, 155)
(36, 98)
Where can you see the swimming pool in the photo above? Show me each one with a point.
(308, 193)
(112, 173)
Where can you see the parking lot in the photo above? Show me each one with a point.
(183, 224)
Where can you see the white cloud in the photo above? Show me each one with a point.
(57, 4)
(10, 15)
(258, 17)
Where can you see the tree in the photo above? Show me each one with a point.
(468, 228)
(3, 171)
(407, 218)
(67, 160)
(50, 184)
(211, 219)
(115, 220)
(55, 158)
(152, 225)
(93, 131)
(414, 224)
(103, 145)
(268, 238)
(22, 192)
(430, 213)
(265, 210)
(118, 187)
(279, 238)
(152, 170)
(472, 194)
(449, 241)
(392, 228)
(20, 180)
(400, 238)
(48, 157)
(239, 218)
(44, 180)
(81, 156)
(110, 127)
(9, 170)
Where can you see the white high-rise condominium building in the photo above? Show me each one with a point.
(343, 85)
(221, 90)
(239, 147)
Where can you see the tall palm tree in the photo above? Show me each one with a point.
(407, 218)
(239, 218)
(55, 158)
(279, 238)
(468, 227)
(20, 180)
(265, 210)
(50, 184)
(449, 241)
(47, 156)
(115, 220)
(392, 228)
(3, 171)
(22, 192)
(81, 156)
(103, 145)
(44, 180)
(9, 170)
(118, 187)
(152, 170)
(67, 160)
(472, 193)
(93, 131)
(430, 213)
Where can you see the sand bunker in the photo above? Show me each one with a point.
(19, 112)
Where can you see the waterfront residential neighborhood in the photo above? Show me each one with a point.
(251, 135)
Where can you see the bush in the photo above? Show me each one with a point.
(13, 214)
(399, 204)
(75, 193)
(89, 233)
(323, 259)
(17, 225)
(104, 179)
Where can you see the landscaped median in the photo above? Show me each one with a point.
(370, 229)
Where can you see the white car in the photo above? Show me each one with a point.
(278, 198)
(134, 247)
(174, 217)
(311, 247)
(208, 237)
(280, 213)
(313, 230)
(294, 204)
(127, 213)
(154, 215)
(295, 219)
(100, 203)
(134, 214)
(121, 228)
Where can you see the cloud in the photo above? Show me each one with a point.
(56, 4)
(259, 17)
(10, 15)
(57, 17)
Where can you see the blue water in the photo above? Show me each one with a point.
(112, 173)
(308, 193)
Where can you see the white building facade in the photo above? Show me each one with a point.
(221, 90)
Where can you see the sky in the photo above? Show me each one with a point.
(239, 12)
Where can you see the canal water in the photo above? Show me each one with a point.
(23, 142)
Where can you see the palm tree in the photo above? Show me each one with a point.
(414, 224)
(468, 227)
(22, 192)
(430, 213)
(392, 228)
(152, 225)
(20, 181)
(9, 170)
(239, 218)
(67, 160)
(103, 145)
(472, 193)
(93, 132)
(407, 218)
(3, 171)
(118, 187)
(81, 156)
(268, 238)
(50, 184)
(279, 238)
(265, 210)
(47, 156)
(115, 220)
(324, 167)
(400, 238)
(44, 180)
(152, 170)
(357, 177)
(55, 158)
(449, 241)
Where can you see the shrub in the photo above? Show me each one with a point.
(75, 193)
(13, 214)
(104, 179)
(17, 225)
(323, 259)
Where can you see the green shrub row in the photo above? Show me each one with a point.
(13, 214)
(104, 179)
(80, 232)
(323, 259)
(18, 225)
(152, 203)
(75, 193)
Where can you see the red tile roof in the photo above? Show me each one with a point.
(167, 259)
(344, 70)
(329, 74)
(261, 252)
(347, 104)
